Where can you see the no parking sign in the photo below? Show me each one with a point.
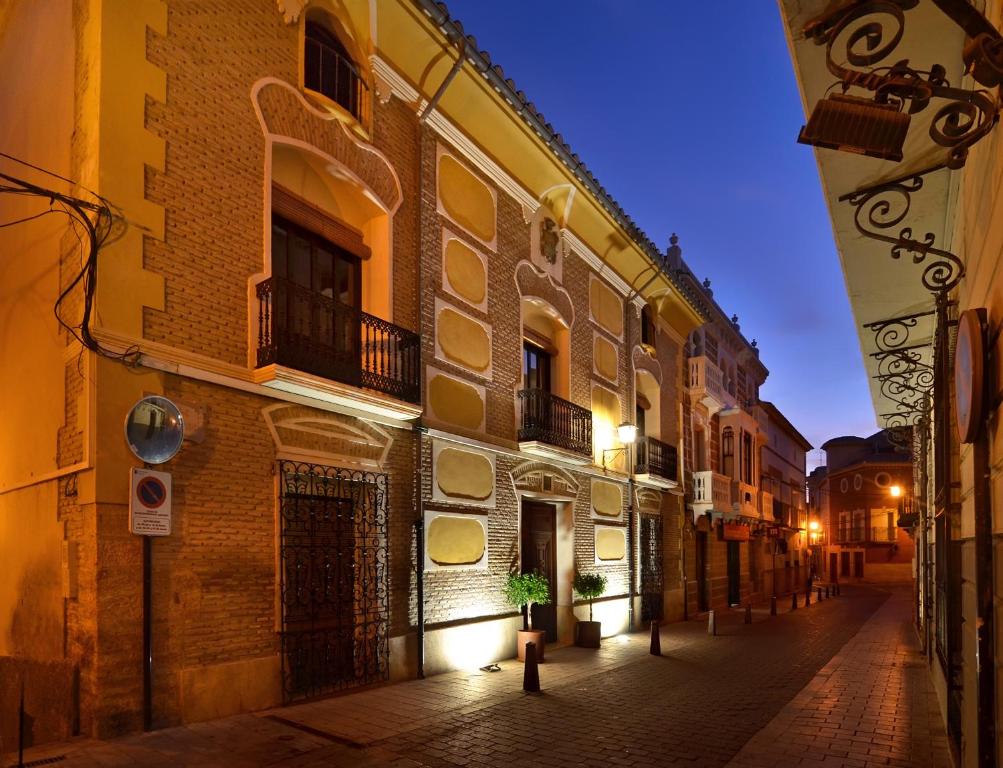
(150, 503)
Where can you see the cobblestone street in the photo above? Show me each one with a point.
(838, 683)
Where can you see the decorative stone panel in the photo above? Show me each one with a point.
(465, 199)
(611, 544)
(455, 541)
(451, 400)
(605, 307)
(461, 474)
(607, 498)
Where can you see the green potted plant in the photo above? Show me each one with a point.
(523, 590)
(590, 586)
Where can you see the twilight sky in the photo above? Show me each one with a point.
(688, 113)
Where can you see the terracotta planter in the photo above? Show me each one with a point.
(537, 636)
(588, 634)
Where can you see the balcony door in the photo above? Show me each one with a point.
(536, 367)
(316, 305)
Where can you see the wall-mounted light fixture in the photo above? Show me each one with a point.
(874, 119)
(627, 433)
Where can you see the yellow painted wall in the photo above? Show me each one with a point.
(31, 589)
(35, 36)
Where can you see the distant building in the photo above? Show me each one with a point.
(856, 499)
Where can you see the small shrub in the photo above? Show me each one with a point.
(524, 589)
(590, 586)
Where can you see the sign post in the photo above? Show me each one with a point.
(150, 503)
(149, 516)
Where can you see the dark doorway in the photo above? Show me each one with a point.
(858, 565)
(833, 573)
(539, 553)
(701, 567)
(734, 574)
(652, 573)
(844, 563)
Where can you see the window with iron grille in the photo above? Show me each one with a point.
(333, 578)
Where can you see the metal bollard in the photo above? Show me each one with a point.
(656, 640)
(826, 591)
(819, 595)
(711, 623)
(773, 606)
(794, 601)
(531, 675)
(807, 598)
(748, 613)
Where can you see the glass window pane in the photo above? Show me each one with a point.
(299, 259)
(279, 245)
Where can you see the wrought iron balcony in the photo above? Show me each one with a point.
(547, 418)
(303, 329)
(656, 458)
(881, 534)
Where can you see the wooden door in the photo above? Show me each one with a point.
(858, 565)
(539, 553)
(734, 574)
(833, 572)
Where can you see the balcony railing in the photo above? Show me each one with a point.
(882, 534)
(745, 497)
(303, 329)
(712, 490)
(705, 381)
(656, 458)
(547, 418)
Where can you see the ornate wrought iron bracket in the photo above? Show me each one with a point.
(872, 30)
(883, 207)
(904, 377)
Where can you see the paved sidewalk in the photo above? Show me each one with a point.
(698, 705)
(872, 705)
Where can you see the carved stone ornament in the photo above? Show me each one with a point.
(550, 240)
(291, 9)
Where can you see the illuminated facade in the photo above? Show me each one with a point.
(745, 488)
(402, 322)
(858, 498)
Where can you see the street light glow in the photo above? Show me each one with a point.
(813, 526)
(895, 491)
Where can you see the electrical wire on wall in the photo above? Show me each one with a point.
(94, 225)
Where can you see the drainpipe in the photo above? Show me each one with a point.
(457, 65)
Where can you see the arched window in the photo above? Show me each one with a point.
(647, 326)
(329, 70)
(748, 461)
(728, 451)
